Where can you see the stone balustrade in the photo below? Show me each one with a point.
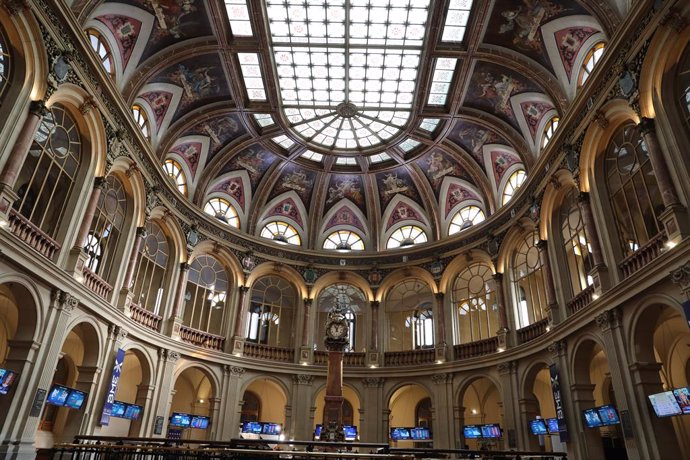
(581, 300)
(532, 331)
(478, 348)
(29, 233)
(201, 338)
(644, 255)
(256, 350)
(97, 284)
(409, 358)
(145, 318)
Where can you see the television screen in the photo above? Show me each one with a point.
(271, 428)
(350, 432)
(665, 404)
(75, 399)
(592, 418)
(200, 422)
(552, 425)
(58, 395)
(118, 409)
(251, 427)
(491, 430)
(608, 415)
(317, 431)
(472, 431)
(181, 420)
(683, 397)
(420, 434)
(133, 412)
(537, 427)
(7, 378)
(400, 434)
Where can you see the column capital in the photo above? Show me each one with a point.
(99, 183)
(234, 371)
(558, 349)
(681, 277)
(442, 378)
(498, 277)
(171, 356)
(64, 301)
(244, 289)
(142, 232)
(38, 108)
(583, 198)
(303, 379)
(374, 304)
(509, 367)
(542, 244)
(647, 126)
(184, 266)
(610, 319)
(308, 302)
(439, 296)
(373, 382)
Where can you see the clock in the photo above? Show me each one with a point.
(337, 330)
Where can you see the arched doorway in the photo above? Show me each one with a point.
(265, 401)
(480, 404)
(351, 407)
(410, 406)
(536, 401)
(194, 394)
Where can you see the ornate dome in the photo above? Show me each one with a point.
(346, 124)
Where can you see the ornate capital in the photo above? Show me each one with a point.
(681, 277)
(373, 382)
(65, 301)
(442, 378)
(141, 232)
(236, 371)
(308, 303)
(439, 296)
(647, 126)
(184, 267)
(38, 108)
(99, 183)
(609, 319)
(15, 7)
(374, 304)
(600, 119)
(244, 289)
(542, 245)
(583, 198)
(172, 356)
(120, 334)
(302, 379)
(507, 367)
(88, 104)
(557, 349)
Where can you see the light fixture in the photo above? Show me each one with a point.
(670, 244)
(500, 350)
(4, 223)
(474, 411)
(201, 401)
(304, 363)
(595, 296)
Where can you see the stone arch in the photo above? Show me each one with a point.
(171, 227)
(25, 292)
(393, 278)
(561, 184)
(464, 384)
(275, 381)
(344, 277)
(460, 263)
(280, 270)
(512, 238)
(202, 367)
(224, 256)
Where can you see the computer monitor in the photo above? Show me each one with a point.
(75, 399)
(7, 379)
(665, 404)
(117, 409)
(592, 418)
(271, 428)
(133, 411)
(317, 431)
(251, 427)
(472, 431)
(491, 430)
(58, 395)
(400, 434)
(420, 434)
(538, 427)
(199, 422)
(552, 426)
(350, 432)
(683, 397)
(180, 420)
(608, 415)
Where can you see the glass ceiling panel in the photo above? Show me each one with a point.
(238, 15)
(347, 69)
(456, 20)
(253, 78)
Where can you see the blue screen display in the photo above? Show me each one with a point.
(7, 378)
(133, 412)
(592, 418)
(491, 430)
(400, 434)
(683, 397)
(552, 425)
(118, 409)
(420, 434)
(200, 422)
(537, 427)
(350, 432)
(75, 399)
(251, 427)
(608, 415)
(317, 431)
(271, 428)
(58, 395)
(472, 431)
(181, 420)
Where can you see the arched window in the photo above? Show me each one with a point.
(514, 182)
(103, 241)
(174, 171)
(281, 232)
(549, 131)
(4, 62)
(576, 244)
(141, 120)
(221, 209)
(100, 46)
(409, 316)
(633, 189)
(206, 295)
(474, 297)
(251, 407)
(344, 240)
(150, 279)
(352, 300)
(49, 171)
(529, 295)
(271, 312)
(593, 56)
(465, 218)
(406, 236)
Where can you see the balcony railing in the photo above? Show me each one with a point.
(581, 300)
(478, 348)
(644, 255)
(256, 350)
(350, 359)
(409, 358)
(533, 331)
(97, 284)
(145, 317)
(29, 233)
(201, 338)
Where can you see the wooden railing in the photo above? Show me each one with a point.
(581, 300)
(644, 255)
(29, 233)
(256, 350)
(532, 331)
(409, 358)
(97, 284)
(201, 338)
(350, 359)
(145, 317)
(478, 348)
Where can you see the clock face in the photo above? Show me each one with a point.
(336, 330)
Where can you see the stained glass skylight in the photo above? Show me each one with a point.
(456, 20)
(264, 119)
(444, 69)
(313, 156)
(429, 124)
(347, 69)
(253, 78)
(284, 141)
(347, 161)
(379, 158)
(238, 15)
(409, 144)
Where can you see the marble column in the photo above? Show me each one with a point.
(444, 429)
(373, 400)
(231, 412)
(440, 328)
(240, 315)
(553, 311)
(373, 355)
(509, 395)
(306, 350)
(598, 272)
(128, 282)
(78, 256)
(165, 370)
(302, 392)
(502, 333)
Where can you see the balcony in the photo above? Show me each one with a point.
(581, 300)
(259, 351)
(644, 255)
(409, 358)
(145, 317)
(532, 331)
(350, 359)
(97, 284)
(478, 348)
(201, 338)
(26, 231)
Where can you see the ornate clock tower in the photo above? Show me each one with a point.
(336, 341)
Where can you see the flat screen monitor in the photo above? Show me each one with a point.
(251, 427)
(271, 428)
(665, 404)
(350, 432)
(420, 434)
(472, 431)
(491, 430)
(200, 422)
(608, 415)
(552, 425)
(7, 378)
(683, 397)
(133, 411)
(117, 409)
(592, 418)
(75, 399)
(400, 434)
(317, 431)
(538, 427)
(58, 395)
(180, 420)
